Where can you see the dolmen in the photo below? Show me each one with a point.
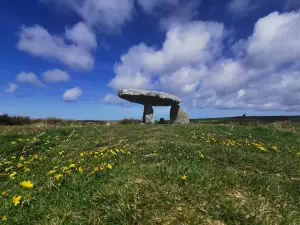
(153, 98)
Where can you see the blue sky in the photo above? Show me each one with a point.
(68, 58)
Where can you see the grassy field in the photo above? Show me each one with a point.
(150, 174)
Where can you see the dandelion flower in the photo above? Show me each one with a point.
(12, 175)
(81, 154)
(262, 148)
(51, 172)
(21, 158)
(16, 200)
(19, 165)
(184, 177)
(4, 218)
(27, 184)
(109, 166)
(72, 165)
(275, 148)
(80, 170)
(58, 176)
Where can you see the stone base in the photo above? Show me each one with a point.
(178, 115)
(148, 114)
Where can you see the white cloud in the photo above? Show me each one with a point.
(171, 12)
(55, 75)
(108, 13)
(82, 35)
(130, 81)
(12, 87)
(262, 73)
(275, 40)
(149, 6)
(38, 41)
(112, 99)
(241, 8)
(72, 94)
(29, 78)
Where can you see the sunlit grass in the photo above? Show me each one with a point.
(156, 174)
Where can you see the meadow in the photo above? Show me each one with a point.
(201, 173)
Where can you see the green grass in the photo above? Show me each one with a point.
(235, 183)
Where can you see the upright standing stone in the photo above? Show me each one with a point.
(178, 115)
(148, 114)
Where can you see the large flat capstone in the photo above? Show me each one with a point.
(152, 98)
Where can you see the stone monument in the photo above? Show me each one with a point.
(153, 98)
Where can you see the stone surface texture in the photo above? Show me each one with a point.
(148, 114)
(178, 115)
(151, 98)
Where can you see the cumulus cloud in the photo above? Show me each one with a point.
(12, 87)
(55, 75)
(29, 78)
(72, 95)
(108, 13)
(184, 47)
(39, 42)
(82, 35)
(261, 74)
(112, 99)
(241, 8)
(171, 12)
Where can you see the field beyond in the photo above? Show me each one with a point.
(150, 174)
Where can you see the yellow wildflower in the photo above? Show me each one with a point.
(96, 169)
(80, 170)
(201, 156)
(34, 139)
(51, 172)
(262, 148)
(26, 169)
(72, 165)
(58, 176)
(91, 173)
(81, 154)
(13, 157)
(21, 158)
(275, 148)
(13, 143)
(184, 177)
(16, 200)
(109, 166)
(20, 139)
(19, 165)
(26, 184)
(9, 168)
(12, 175)
(97, 142)
(4, 218)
